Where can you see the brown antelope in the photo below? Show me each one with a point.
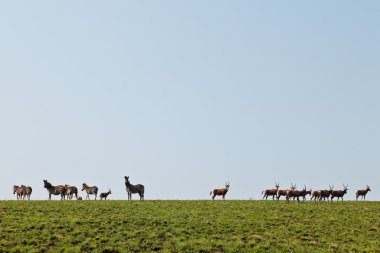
(271, 192)
(304, 193)
(362, 193)
(132, 189)
(70, 191)
(284, 192)
(19, 191)
(54, 190)
(316, 195)
(325, 194)
(295, 194)
(220, 192)
(27, 191)
(339, 193)
(90, 190)
(104, 195)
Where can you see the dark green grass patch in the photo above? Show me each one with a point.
(188, 226)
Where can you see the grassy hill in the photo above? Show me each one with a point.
(189, 226)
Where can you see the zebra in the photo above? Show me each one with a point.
(19, 191)
(55, 190)
(104, 195)
(27, 191)
(131, 189)
(70, 191)
(90, 190)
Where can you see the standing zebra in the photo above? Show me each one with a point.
(55, 190)
(131, 189)
(27, 191)
(70, 191)
(90, 190)
(19, 191)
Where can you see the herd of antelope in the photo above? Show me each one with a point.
(68, 191)
(293, 193)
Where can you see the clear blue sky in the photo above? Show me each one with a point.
(184, 96)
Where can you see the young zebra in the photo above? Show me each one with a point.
(132, 189)
(104, 195)
(90, 190)
(27, 191)
(55, 190)
(19, 191)
(70, 191)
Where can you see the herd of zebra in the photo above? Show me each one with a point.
(316, 194)
(68, 191)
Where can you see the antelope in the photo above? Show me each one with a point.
(70, 191)
(284, 192)
(295, 194)
(132, 189)
(104, 195)
(220, 192)
(316, 195)
(362, 193)
(55, 190)
(304, 193)
(339, 193)
(19, 191)
(79, 198)
(325, 194)
(271, 192)
(27, 191)
(90, 190)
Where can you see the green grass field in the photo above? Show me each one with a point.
(188, 226)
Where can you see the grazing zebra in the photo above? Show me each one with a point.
(220, 192)
(27, 191)
(90, 190)
(19, 191)
(70, 191)
(104, 195)
(132, 189)
(55, 190)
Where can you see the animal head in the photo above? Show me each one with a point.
(109, 191)
(84, 185)
(331, 188)
(345, 188)
(277, 185)
(368, 188)
(293, 187)
(79, 198)
(15, 189)
(46, 184)
(126, 179)
(227, 185)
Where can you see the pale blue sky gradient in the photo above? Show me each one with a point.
(183, 96)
